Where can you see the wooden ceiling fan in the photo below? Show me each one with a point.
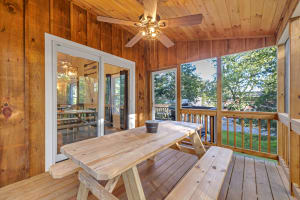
(150, 24)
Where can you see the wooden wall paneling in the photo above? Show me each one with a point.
(153, 55)
(141, 84)
(236, 45)
(162, 52)
(181, 52)
(294, 103)
(255, 43)
(117, 40)
(192, 50)
(148, 86)
(78, 24)
(36, 24)
(280, 95)
(127, 53)
(93, 31)
(270, 41)
(106, 37)
(188, 51)
(60, 18)
(14, 156)
(172, 57)
(205, 49)
(219, 48)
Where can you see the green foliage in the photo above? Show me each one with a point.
(191, 83)
(194, 86)
(264, 141)
(250, 79)
(165, 91)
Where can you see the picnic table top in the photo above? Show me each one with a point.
(109, 156)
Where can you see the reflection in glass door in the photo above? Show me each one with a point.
(116, 98)
(77, 98)
(164, 95)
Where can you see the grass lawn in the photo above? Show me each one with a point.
(264, 141)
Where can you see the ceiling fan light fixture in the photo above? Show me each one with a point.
(152, 29)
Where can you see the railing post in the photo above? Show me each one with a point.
(219, 102)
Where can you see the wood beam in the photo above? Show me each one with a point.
(294, 101)
(287, 13)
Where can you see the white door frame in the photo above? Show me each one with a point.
(54, 44)
(153, 94)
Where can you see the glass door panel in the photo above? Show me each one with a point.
(77, 99)
(164, 95)
(116, 98)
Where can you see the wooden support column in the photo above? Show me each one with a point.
(280, 94)
(178, 92)
(219, 102)
(294, 100)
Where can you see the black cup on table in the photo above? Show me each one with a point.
(152, 126)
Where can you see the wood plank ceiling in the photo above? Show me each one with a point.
(223, 19)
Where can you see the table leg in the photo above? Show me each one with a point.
(83, 192)
(133, 185)
(111, 184)
(88, 183)
(197, 144)
(152, 159)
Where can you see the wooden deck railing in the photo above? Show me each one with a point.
(163, 113)
(251, 133)
(254, 134)
(289, 149)
(255, 141)
(204, 117)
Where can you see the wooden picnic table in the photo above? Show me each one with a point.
(111, 156)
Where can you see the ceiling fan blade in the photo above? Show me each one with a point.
(183, 21)
(116, 21)
(150, 8)
(165, 40)
(134, 40)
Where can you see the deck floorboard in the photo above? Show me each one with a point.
(246, 179)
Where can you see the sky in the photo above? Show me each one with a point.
(205, 69)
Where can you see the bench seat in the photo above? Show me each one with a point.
(204, 181)
(42, 187)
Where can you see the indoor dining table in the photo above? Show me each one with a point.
(111, 156)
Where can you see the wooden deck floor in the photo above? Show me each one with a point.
(247, 178)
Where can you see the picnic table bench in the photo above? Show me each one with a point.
(112, 156)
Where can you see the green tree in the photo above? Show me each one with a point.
(164, 89)
(191, 83)
(250, 79)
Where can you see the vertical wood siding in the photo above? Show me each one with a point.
(188, 51)
(22, 79)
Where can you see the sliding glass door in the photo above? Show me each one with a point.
(116, 98)
(77, 96)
